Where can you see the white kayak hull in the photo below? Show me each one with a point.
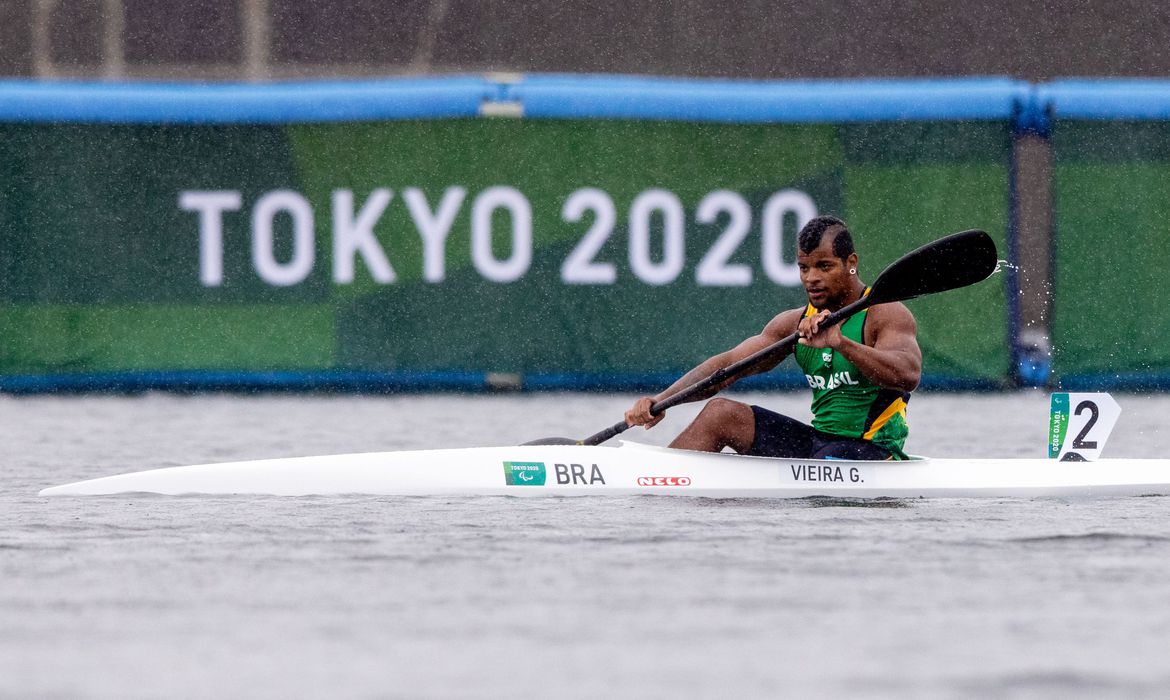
(636, 469)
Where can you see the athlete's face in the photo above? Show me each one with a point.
(826, 277)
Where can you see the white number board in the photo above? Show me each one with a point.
(1079, 425)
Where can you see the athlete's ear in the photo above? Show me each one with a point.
(851, 263)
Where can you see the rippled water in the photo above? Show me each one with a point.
(587, 597)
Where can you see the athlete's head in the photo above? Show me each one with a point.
(827, 262)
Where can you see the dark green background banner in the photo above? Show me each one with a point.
(1112, 242)
(101, 266)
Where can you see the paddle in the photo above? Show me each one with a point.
(956, 261)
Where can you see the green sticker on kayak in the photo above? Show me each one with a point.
(524, 473)
(1057, 424)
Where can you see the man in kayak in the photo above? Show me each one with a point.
(861, 371)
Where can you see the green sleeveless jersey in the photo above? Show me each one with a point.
(845, 402)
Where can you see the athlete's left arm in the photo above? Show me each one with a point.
(890, 356)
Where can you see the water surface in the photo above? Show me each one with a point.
(382, 597)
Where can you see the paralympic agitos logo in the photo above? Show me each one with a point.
(664, 481)
(524, 473)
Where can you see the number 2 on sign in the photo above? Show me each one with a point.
(1079, 442)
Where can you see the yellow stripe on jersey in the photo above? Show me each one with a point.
(898, 406)
(811, 310)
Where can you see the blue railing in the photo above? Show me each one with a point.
(545, 96)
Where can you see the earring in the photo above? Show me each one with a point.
(853, 270)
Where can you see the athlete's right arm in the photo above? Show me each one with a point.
(782, 325)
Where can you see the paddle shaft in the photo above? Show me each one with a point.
(734, 371)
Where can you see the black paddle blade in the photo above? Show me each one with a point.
(958, 260)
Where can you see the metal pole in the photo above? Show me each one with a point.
(257, 37)
(42, 49)
(425, 51)
(113, 39)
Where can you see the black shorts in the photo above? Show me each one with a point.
(781, 436)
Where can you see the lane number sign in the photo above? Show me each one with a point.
(1079, 424)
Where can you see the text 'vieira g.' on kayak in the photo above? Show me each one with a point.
(1080, 424)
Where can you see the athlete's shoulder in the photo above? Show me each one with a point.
(784, 323)
(890, 310)
(890, 316)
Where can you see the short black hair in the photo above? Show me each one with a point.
(810, 236)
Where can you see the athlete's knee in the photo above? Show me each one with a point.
(722, 422)
(724, 411)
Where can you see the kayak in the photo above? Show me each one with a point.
(630, 469)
